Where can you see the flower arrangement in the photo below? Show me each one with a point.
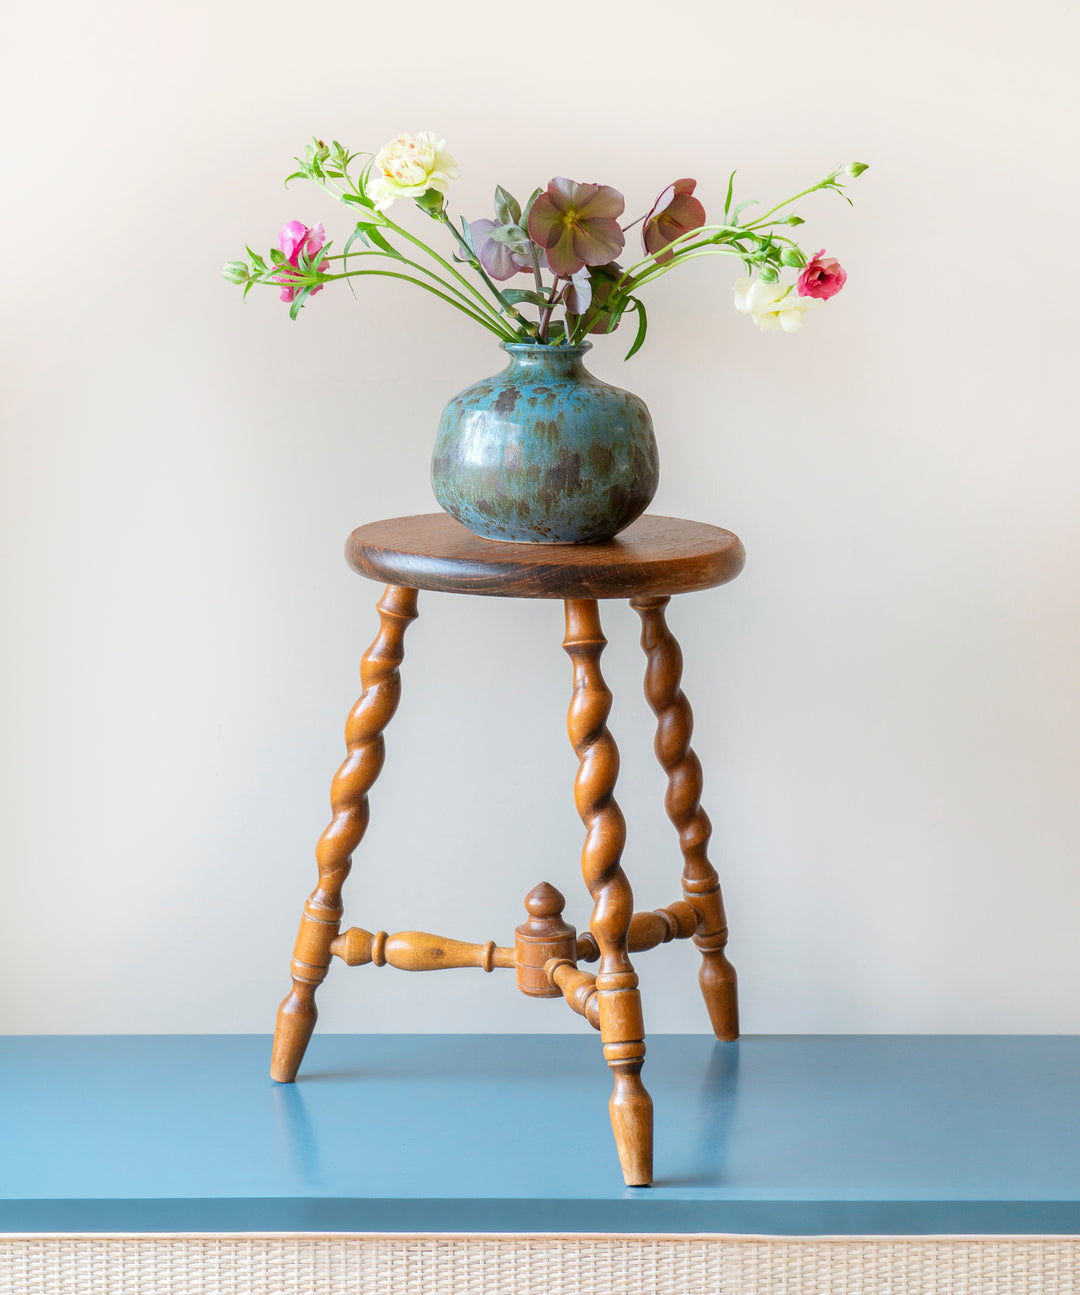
(566, 238)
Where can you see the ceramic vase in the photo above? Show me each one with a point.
(544, 452)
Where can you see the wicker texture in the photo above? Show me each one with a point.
(536, 1265)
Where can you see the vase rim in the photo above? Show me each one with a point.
(536, 348)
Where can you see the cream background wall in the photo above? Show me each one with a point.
(888, 699)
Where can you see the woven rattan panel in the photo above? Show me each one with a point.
(536, 1265)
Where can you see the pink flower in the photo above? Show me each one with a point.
(297, 239)
(823, 277)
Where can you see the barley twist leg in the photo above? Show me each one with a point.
(701, 885)
(349, 802)
(621, 1025)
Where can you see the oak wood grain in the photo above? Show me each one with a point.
(542, 936)
(381, 684)
(664, 555)
(622, 1026)
(416, 951)
(651, 560)
(700, 884)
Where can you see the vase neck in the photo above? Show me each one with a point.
(548, 361)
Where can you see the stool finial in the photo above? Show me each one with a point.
(544, 901)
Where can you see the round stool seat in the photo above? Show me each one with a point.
(655, 555)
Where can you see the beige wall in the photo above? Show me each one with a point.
(887, 699)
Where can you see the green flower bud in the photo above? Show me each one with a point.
(857, 168)
(794, 220)
(431, 201)
(236, 272)
(793, 257)
(769, 275)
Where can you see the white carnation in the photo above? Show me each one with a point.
(408, 167)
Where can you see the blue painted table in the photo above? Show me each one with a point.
(482, 1133)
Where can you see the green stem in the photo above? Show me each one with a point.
(538, 278)
(445, 265)
(684, 243)
(545, 317)
(781, 205)
(474, 262)
(499, 331)
(386, 223)
(715, 249)
(414, 265)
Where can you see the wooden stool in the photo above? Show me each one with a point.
(651, 560)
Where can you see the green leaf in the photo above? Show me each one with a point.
(296, 175)
(615, 312)
(750, 202)
(309, 262)
(727, 200)
(514, 237)
(517, 295)
(373, 238)
(358, 235)
(642, 327)
(507, 207)
(528, 207)
(298, 302)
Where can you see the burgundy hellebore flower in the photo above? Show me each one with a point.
(823, 277)
(577, 225)
(673, 214)
(296, 238)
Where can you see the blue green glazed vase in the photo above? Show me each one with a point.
(544, 452)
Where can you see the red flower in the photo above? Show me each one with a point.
(577, 225)
(673, 214)
(823, 277)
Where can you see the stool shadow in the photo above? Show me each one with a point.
(329, 1076)
(717, 1102)
(297, 1131)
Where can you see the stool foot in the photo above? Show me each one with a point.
(700, 884)
(349, 801)
(622, 1027)
(295, 1021)
(631, 1111)
(720, 989)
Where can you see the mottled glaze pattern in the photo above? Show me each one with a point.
(544, 452)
